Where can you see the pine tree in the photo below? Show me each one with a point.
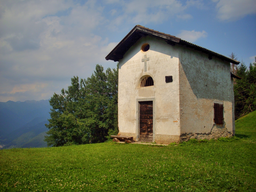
(245, 90)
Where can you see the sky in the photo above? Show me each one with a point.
(44, 43)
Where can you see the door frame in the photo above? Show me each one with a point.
(138, 100)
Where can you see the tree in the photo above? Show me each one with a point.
(245, 90)
(86, 112)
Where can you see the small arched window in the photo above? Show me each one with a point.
(147, 81)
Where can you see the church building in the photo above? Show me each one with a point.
(170, 90)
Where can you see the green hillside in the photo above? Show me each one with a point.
(247, 124)
(37, 141)
(222, 165)
(23, 122)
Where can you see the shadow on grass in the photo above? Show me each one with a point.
(242, 136)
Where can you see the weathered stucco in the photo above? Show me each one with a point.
(163, 61)
(182, 108)
(203, 82)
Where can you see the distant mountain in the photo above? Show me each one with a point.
(22, 124)
(9, 121)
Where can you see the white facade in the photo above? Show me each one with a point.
(163, 61)
(180, 107)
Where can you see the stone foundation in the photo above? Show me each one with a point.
(214, 134)
(166, 139)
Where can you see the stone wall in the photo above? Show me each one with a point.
(215, 133)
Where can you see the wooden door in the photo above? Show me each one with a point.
(146, 121)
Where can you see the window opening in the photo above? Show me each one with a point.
(147, 81)
(218, 114)
(168, 79)
(145, 47)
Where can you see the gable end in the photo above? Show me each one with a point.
(139, 31)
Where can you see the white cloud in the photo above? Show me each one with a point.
(192, 36)
(229, 10)
(40, 51)
(112, 1)
(151, 11)
(113, 12)
(253, 59)
(196, 3)
(44, 43)
(184, 16)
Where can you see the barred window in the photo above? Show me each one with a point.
(168, 79)
(147, 81)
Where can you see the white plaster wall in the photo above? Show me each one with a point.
(204, 82)
(163, 61)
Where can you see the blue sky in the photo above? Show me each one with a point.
(43, 43)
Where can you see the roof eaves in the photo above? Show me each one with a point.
(113, 52)
(235, 76)
(158, 34)
(211, 53)
(138, 31)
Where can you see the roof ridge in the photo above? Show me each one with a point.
(139, 31)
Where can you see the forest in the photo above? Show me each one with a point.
(245, 90)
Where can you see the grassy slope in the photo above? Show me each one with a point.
(223, 165)
(246, 125)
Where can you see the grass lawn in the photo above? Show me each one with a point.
(222, 165)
